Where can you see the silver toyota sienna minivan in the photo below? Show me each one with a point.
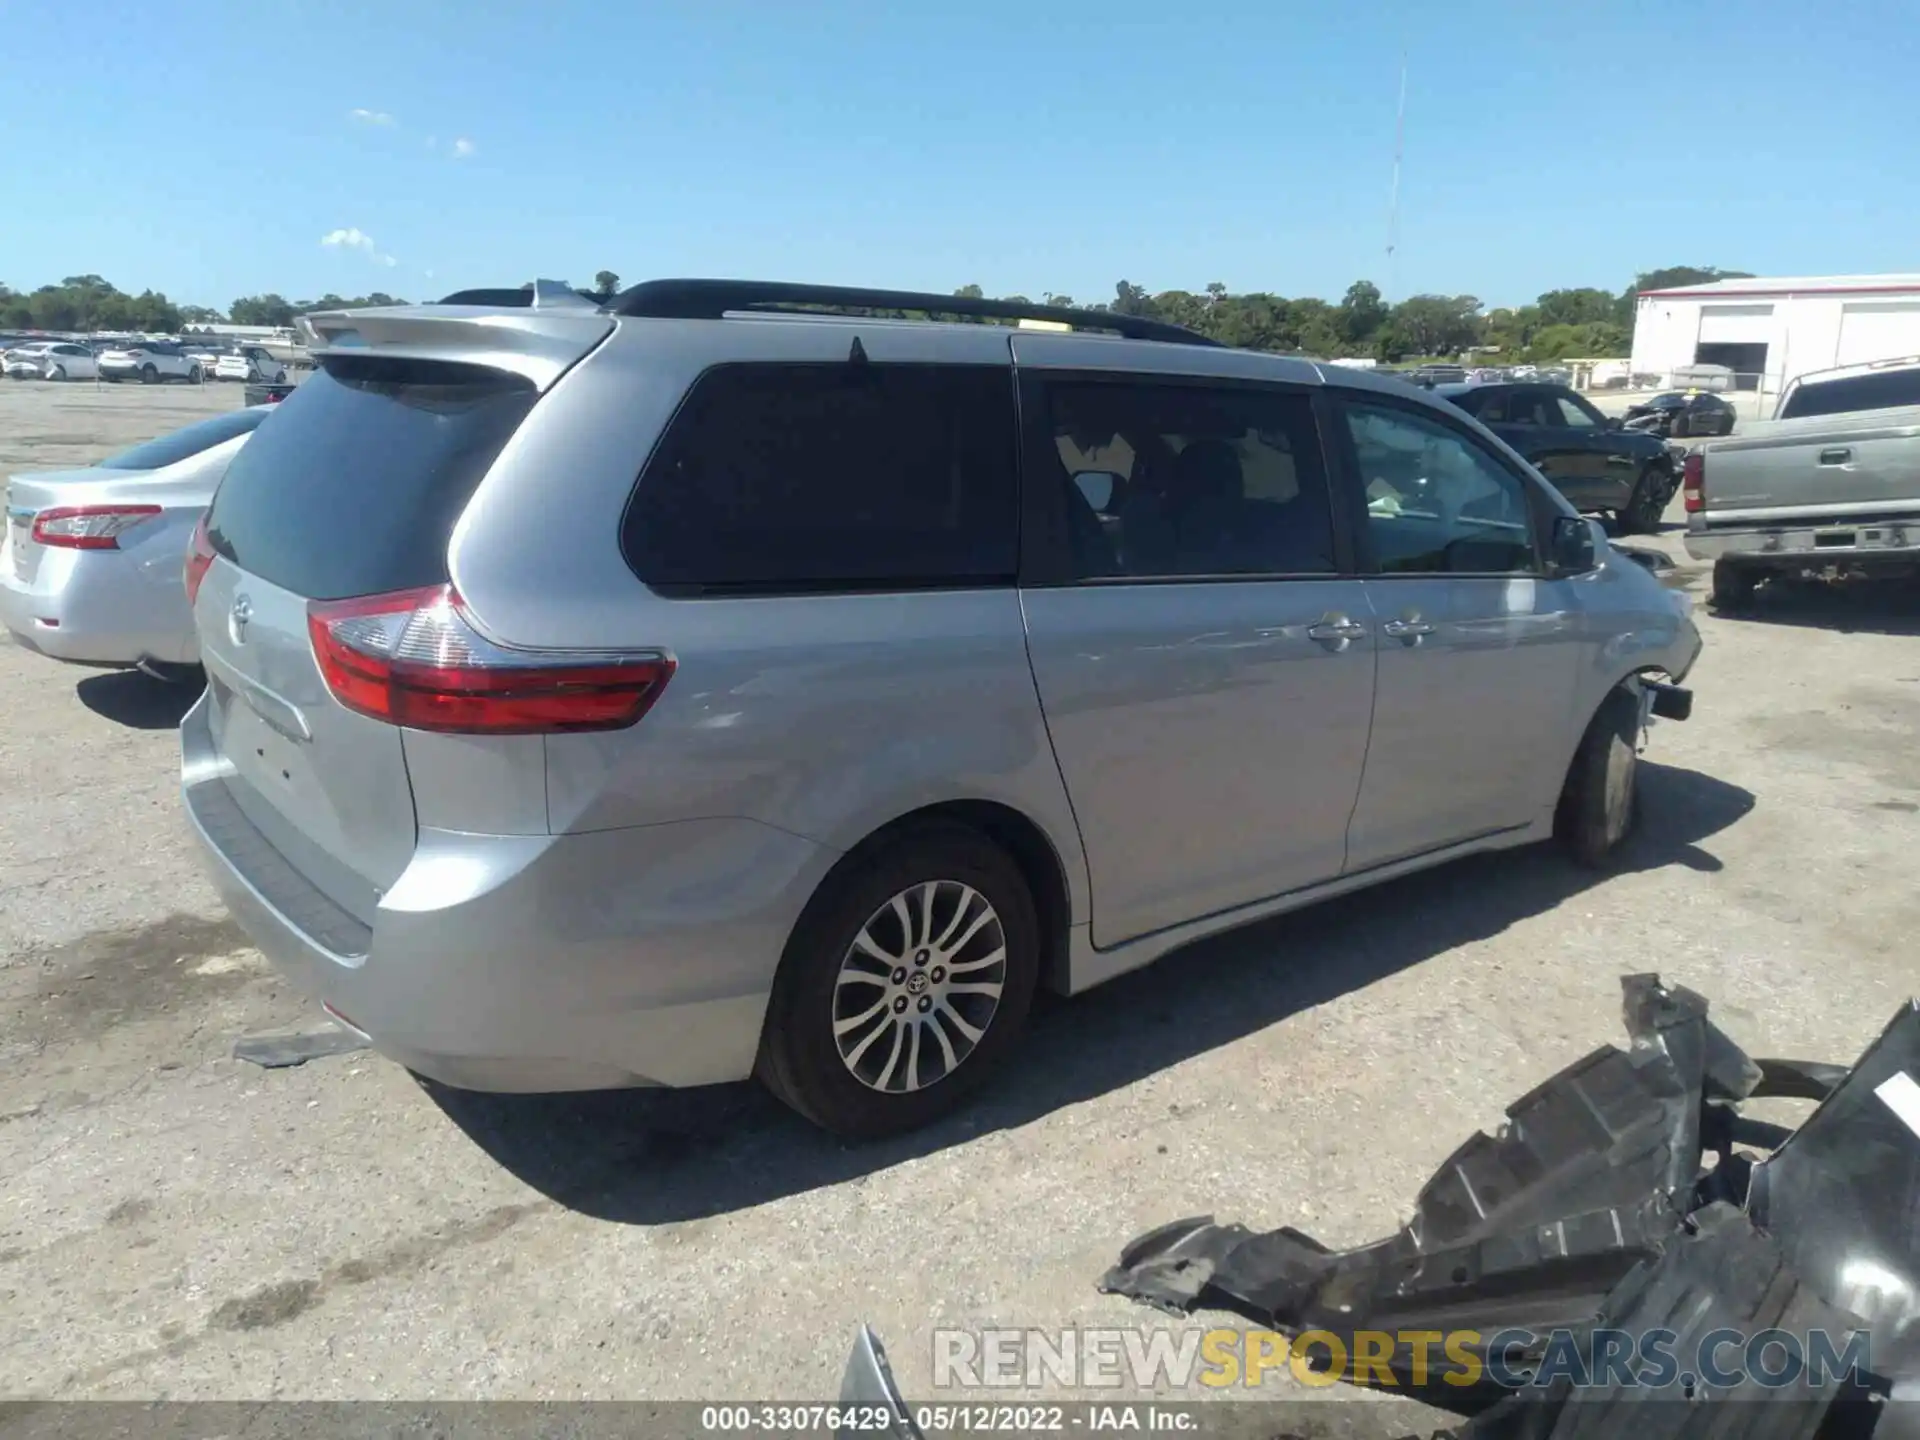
(725, 680)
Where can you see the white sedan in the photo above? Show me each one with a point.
(93, 563)
(68, 361)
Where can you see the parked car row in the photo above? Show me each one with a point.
(146, 361)
(1062, 633)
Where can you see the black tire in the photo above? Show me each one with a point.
(1651, 494)
(800, 1057)
(148, 375)
(1599, 803)
(193, 375)
(280, 378)
(1733, 585)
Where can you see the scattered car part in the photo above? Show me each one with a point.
(280, 1050)
(1592, 1207)
(867, 1389)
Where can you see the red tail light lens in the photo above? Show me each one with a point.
(199, 560)
(413, 658)
(1693, 481)
(89, 527)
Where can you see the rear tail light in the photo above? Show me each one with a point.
(89, 527)
(414, 658)
(1693, 481)
(199, 559)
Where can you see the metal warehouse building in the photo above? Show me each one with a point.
(1768, 331)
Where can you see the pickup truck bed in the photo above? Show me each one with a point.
(1827, 493)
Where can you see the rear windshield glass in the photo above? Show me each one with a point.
(171, 449)
(1884, 391)
(830, 477)
(355, 487)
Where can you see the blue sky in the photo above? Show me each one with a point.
(208, 148)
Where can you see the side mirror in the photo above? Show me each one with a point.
(1576, 545)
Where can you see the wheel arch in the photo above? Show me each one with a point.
(1627, 679)
(1026, 843)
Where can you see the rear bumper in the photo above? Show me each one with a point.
(99, 607)
(1789, 545)
(531, 963)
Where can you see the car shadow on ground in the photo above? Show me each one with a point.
(1860, 606)
(659, 1156)
(138, 701)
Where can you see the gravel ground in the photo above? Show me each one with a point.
(175, 1223)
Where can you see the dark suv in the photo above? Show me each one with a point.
(1589, 457)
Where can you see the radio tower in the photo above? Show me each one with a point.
(1393, 199)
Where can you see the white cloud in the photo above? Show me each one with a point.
(463, 147)
(353, 238)
(370, 117)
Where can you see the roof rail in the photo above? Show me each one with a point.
(715, 299)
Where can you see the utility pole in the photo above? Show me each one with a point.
(1393, 197)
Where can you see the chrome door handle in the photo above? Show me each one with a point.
(1336, 629)
(1407, 629)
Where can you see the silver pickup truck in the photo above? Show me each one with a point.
(1830, 484)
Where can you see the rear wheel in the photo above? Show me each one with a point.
(1644, 508)
(280, 377)
(193, 375)
(1598, 804)
(905, 984)
(1733, 584)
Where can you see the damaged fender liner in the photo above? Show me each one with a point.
(1591, 1207)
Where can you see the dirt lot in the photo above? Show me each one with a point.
(176, 1223)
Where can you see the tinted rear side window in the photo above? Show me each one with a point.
(355, 487)
(1883, 391)
(831, 477)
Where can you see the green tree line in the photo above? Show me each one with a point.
(1362, 324)
(88, 303)
(1559, 324)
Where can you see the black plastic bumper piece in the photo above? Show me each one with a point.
(1670, 702)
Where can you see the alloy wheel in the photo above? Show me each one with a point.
(919, 986)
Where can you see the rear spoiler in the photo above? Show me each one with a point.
(538, 333)
(540, 295)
